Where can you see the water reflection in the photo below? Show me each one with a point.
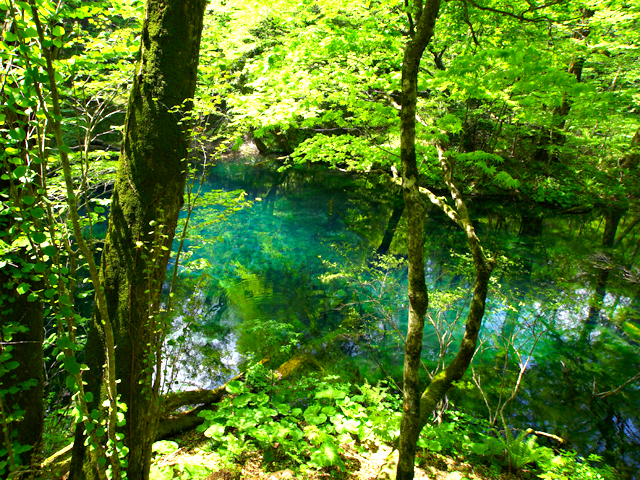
(299, 261)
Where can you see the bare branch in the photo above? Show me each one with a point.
(468, 22)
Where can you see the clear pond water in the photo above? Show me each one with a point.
(297, 266)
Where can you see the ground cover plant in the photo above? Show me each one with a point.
(324, 428)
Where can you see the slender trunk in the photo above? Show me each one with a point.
(443, 381)
(555, 136)
(21, 315)
(483, 266)
(81, 467)
(418, 296)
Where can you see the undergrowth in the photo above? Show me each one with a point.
(305, 426)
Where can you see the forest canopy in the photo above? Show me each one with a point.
(472, 243)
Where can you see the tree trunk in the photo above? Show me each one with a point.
(147, 199)
(81, 467)
(26, 349)
(418, 297)
(21, 318)
(483, 267)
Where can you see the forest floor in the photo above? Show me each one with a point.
(374, 464)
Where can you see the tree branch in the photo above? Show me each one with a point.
(520, 16)
(616, 390)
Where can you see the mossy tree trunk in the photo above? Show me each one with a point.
(147, 199)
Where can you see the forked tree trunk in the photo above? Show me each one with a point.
(417, 408)
(425, 18)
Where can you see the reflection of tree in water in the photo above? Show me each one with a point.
(553, 290)
(266, 272)
(571, 389)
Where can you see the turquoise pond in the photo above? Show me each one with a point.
(296, 264)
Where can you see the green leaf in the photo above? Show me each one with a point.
(19, 172)
(58, 31)
(40, 267)
(164, 472)
(71, 365)
(214, 431)
(65, 342)
(165, 447)
(313, 416)
(329, 410)
(242, 400)
(12, 365)
(39, 237)
(30, 32)
(17, 134)
(235, 387)
(37, 212)
(71, 383)
(23, 288)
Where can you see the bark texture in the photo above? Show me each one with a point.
(425, 18)
(147, 199)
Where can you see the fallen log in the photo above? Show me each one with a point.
(172, 423)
